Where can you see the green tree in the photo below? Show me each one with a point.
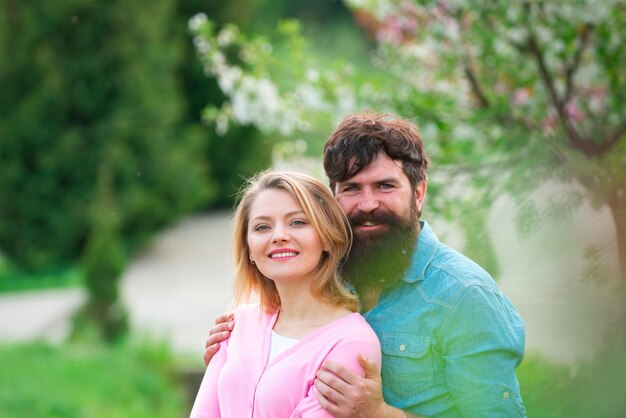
(103, 263)
(84, 82)
(513, 94)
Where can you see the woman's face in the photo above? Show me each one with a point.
(281, 240)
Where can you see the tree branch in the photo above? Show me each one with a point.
(584, 145)
(573, 66)
(535, 50)
(468, 64)
(613, 138)
(473, 80)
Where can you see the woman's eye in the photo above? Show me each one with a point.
(261, 227)
(298, 222)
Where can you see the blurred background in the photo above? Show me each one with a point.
(126, 129)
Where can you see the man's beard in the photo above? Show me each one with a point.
(380, 260)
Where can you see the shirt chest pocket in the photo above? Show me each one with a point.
(407, 363)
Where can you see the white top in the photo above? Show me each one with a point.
(278, 344)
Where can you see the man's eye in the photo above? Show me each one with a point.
(386, 186)
(349, 189)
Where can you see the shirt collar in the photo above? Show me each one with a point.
(427, 244)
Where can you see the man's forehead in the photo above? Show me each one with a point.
(381, 168)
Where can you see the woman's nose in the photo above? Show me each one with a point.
(280, 233)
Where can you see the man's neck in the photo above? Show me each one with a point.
(369, 299)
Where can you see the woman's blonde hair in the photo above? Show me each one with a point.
(324, 214)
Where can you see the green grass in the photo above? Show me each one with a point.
(13, 279)
(596, 389)
(88, 381)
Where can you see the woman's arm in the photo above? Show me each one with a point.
(207, 404)
(346, 354)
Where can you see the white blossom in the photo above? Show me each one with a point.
(226, 36)
(228, 79)
(312, 75)
(310, 96)
(202, 46)
(196, 21)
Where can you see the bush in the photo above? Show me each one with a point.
(13, 279)
(86, 82)
(85, 381)
(587, 389)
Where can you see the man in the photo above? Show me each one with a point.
(450, 339)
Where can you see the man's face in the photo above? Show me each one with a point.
(383, 210)
(383, 188)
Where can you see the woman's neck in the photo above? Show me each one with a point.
(302, 313)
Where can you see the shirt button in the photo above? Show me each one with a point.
(402, 347)
(506, 395)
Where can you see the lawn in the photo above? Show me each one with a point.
(87, 381)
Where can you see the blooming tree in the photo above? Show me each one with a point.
(507, 94)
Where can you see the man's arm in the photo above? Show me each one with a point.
(482, 342)
(219, 332)
(345, 394)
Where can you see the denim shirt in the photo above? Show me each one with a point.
(451, 340)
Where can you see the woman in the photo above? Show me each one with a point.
(290, 234)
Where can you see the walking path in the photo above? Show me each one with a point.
(177, 286)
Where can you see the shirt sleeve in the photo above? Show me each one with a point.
(207, 404)
(483, 343)
(344, 353)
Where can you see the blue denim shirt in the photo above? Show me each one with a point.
(451, 340)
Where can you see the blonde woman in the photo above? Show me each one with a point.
(290, 235)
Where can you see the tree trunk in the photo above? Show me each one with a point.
(617, 204)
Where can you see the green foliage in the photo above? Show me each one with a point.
(236, 156)
(594, 388)
(241, 152)
(14, 279)
(84, 82)
(548, 390)
(88, 381)
(103, 263)
(268, 82)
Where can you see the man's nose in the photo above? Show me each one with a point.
(368, 201)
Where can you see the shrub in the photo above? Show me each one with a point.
(595, 388)
(86, 381)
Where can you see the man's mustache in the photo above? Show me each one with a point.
(376, 216)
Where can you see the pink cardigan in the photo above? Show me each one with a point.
(240, 383)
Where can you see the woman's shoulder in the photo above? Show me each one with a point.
(251, 312)
(354, 326)
(247, 309)
(353, 335)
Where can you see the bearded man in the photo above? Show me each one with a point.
(451, 340)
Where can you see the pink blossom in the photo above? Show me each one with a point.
(521, 96)
(596, 98)
(397, 29)
(573, 112)
(549, 123)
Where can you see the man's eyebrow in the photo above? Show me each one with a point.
(387, 180)
(381, 181)
(347, 183)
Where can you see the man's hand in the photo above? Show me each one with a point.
(347, 395)
(221, 331)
